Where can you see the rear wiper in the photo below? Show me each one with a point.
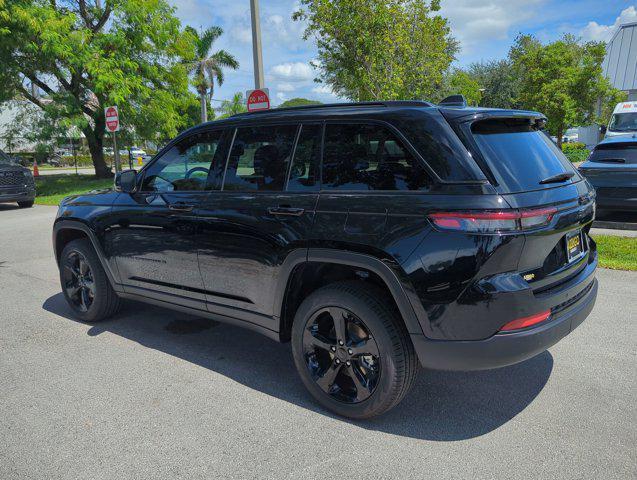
(560, 177)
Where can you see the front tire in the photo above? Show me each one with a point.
(84, 283)
(352, 350)
(27, 204)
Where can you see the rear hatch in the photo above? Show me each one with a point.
(532, 175)
(612, 169)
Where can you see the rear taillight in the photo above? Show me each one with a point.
(493, 221)
(526, 322)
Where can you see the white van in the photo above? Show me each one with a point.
(623, 121)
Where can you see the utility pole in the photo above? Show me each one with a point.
(256, 45)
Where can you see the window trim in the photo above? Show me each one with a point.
(321, 125)
(406, 143)
(144, 170)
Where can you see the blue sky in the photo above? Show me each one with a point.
(485, 29)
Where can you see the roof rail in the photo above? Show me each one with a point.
(392, 103)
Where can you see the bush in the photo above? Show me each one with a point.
(575, 151)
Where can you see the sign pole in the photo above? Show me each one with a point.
(118, 168)
(256, 44)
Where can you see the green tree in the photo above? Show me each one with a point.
(379, 50)
(298, 102)
(457, 81)
(562, 79)
(237, 104)
(207, 68)
(85, 56)
(499, 81)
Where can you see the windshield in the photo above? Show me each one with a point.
(519, 155)
(623, 122)
(5, 159)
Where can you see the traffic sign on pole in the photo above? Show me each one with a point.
(258, 100)
(112, 125)
(112, 119)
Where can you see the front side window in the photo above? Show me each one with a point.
(185, 167)
(260, 157)
(369, 157)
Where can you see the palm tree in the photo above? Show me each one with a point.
(207, 68)
(236, 104)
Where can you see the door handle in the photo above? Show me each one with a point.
(289, 211)
(181, 207)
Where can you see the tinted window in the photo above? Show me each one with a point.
(615, 153)
(369, 157)
(305, 173)
(518, 154)
(260, 157)
(185, 166)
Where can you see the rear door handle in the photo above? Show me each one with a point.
(289, 211)
(181, 207)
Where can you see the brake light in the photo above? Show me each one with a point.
(526, 322)
(493, 221)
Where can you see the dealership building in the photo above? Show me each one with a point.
(620, 67)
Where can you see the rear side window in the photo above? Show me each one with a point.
(615, 153)
(260, 157)
(518, 154)
(369, 157)
(305, 172)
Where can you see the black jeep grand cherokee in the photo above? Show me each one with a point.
(16, 182)
(372, 236)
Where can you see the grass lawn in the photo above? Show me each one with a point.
(51, 189)
(618, 253)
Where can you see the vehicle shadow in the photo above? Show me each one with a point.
(443, 406)
(8, 206)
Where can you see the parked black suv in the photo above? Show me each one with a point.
(370, 235)
(16, 182)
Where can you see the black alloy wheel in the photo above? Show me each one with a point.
(78, 281)
(85, 284)
(341, 355)
(352, 350)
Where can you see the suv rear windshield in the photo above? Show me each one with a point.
(615, 153)
(519, 155)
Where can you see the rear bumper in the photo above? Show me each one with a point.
(505, 349)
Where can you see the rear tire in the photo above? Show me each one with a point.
(28, 204)
(375, 366)
(84, 283)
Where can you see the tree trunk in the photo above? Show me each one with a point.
(95, 140)
(204, 108)
(560, 133)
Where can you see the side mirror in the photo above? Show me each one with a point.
(126, 181)
(602, 129)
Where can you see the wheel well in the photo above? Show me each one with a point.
(310, 276)
(63, 237)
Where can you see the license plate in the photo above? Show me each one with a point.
(574, 245)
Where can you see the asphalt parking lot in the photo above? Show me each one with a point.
(157, 394)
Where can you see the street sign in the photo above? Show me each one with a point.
(258, 100)
(112, 119)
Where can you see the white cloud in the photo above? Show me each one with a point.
(241, 34)
(476, 23)
(285, 87)
(595, 31)
(292, 71)
(281, 96)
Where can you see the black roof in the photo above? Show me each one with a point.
(332, 110)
